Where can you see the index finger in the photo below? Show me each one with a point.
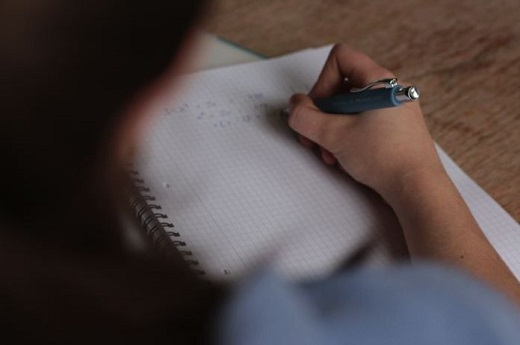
(345, 62)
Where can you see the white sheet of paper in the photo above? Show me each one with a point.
(242, 192)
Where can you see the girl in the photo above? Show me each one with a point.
(75, 77)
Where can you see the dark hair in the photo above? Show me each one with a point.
(67, 70)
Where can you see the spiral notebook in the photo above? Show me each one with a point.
(223, 179)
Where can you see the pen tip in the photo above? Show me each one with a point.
(284, 112)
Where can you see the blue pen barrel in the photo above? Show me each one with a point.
(356, 102)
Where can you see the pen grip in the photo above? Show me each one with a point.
(352, 103)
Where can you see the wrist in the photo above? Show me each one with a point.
(407, 187)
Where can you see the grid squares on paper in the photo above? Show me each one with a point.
(244, 193)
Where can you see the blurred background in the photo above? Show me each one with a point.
(464, 55)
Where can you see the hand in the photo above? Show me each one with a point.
(391, 151)
(378, 148)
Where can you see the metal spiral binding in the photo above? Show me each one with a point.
(156, 225)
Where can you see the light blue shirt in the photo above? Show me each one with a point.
(399, 305)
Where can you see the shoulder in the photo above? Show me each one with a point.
(402, 304)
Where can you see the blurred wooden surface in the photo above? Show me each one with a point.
(464, 55)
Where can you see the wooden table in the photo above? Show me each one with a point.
(464, 55)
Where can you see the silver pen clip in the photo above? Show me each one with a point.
(387, 82)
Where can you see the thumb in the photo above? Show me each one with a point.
(306, 119)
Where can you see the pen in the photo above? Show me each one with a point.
(368, 98)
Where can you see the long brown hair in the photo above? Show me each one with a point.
(66, 70)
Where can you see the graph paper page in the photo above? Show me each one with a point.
(242, 193)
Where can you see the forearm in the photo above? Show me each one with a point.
(438, 225)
